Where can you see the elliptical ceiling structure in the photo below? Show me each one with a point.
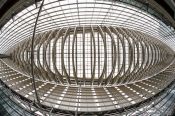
(87, 57)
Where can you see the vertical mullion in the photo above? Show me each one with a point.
(98, 57)
(91, 55)
(73, 55)
(94, 61)
(106, 61)
(49, 55)
(69, 54)
(112, 53)
(60, 54)
(76, 56)
(84, 56)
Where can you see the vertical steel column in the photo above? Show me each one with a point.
(84, 70)
(73, 55)
(62, 55)
(94, 50)
(32, 53)
(54, 55)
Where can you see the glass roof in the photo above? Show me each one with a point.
(56, 14)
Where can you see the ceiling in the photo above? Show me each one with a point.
(168, 5)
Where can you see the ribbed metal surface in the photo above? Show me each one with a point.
(68, 13)
(86, 99)
(95, 55)
(90, 57)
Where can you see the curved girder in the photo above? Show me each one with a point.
(108, 55)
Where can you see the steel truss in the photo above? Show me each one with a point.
(136, 61)
(85, 68)
(115, 56)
